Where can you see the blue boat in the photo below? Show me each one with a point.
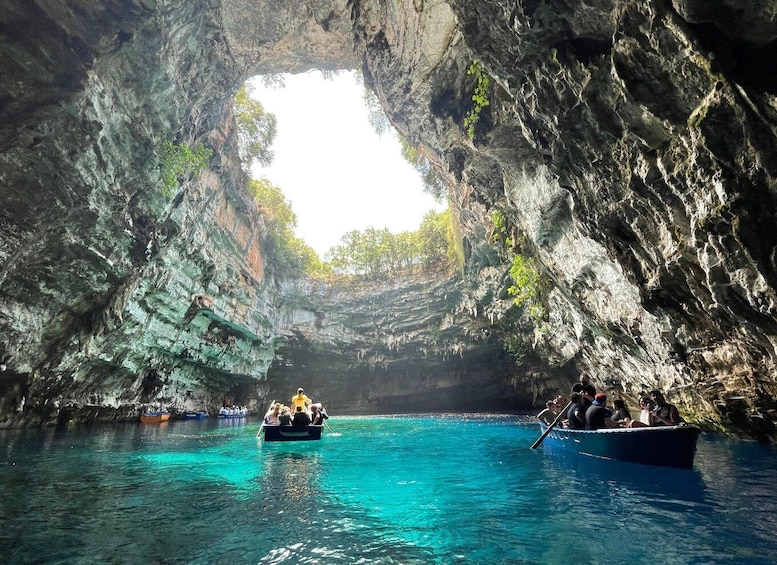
(667, 446)
(292, 433)
(201, 415)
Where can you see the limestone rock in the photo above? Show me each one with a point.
(630, 144)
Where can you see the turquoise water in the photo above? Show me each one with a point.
(411, 490)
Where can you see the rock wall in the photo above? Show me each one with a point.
(629, 144)
(414, 344)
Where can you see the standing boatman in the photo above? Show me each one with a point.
(300, 399)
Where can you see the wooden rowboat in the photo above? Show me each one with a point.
(155, 417)
(292, 433)
(668, 446)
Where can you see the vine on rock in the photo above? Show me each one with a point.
(178, 160)
(480, 97)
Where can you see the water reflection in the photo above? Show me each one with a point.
(296, 474)
(606, 478)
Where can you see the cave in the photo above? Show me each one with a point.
(651, 125)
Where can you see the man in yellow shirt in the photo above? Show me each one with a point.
(300, 399)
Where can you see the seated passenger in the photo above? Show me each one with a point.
(596, 415)
(664, 414)
(575, 414)
(621, 416)
(285, 417)
(548, 415)
(300, 417)
(318, 415)
(646, 414)
(272, 418)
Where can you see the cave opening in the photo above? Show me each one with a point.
(337, 158)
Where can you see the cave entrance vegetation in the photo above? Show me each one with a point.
(629, 147)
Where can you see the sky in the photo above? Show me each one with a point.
(336, 172)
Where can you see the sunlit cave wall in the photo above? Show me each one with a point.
(117, 291)
(632, 143)
(629, 144)
(115, 295)
(410, 344)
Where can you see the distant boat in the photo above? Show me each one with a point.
(233, 413)
(667, 446)
(292, 433)
(201, 415)
(155, 417)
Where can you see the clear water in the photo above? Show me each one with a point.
(411, 490)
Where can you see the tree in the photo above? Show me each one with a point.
(289, 255)
(380, 253)
(433, 182)
(256, 129)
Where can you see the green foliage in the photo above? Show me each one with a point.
(380, 253)
(433, 182)
(501, 235)
(500, 226)
(178, 160)
(480, 97)
(256, 129)
(526, 280)
(515, 345)
(287, 254)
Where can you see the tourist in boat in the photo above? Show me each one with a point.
(621, 416)
(585, 388)
(300, 399)
(300, 418)
(548, 415)
(597, 414)
(576, 413)
(285, 416)
(664, 414)
(272, 418)
(317, 414)
(646, 417)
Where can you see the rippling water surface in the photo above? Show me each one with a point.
(411, 490)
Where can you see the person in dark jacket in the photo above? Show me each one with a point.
(597, 414)
(285, 417)
(575, 414)
(621, 416)
(585, 388)
(317, 415)
(300, 418)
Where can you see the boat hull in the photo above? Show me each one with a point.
(292, 433)
(667, 446)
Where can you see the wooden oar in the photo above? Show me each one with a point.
(550, 427)
(259, 433)
(327, 426)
